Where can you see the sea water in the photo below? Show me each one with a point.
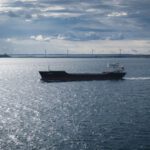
(88, 115)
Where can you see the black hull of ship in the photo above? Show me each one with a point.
(58, 76)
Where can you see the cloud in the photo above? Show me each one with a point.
(7, 9)
(36, 10)
(52, 8)
(117, 14)
(28, 0)
(75, 20)
(10, 40)
(47, 38)
(59, 15)
(40, 38)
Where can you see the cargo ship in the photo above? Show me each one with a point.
(115, 72)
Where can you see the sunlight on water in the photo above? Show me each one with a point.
(94, 115)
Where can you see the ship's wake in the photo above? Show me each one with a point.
(137, 78)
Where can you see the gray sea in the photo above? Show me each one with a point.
(89, 115)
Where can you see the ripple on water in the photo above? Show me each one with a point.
(74, 115)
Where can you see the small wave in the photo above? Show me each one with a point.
(138, 78)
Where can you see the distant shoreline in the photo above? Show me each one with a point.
(74, 56)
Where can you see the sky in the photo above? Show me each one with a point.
(80, 26)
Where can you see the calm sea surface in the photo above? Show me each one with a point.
(93, 115)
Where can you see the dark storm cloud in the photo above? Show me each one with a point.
(77, 20)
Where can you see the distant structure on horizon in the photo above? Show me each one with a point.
(4, 55)
(67, 55)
